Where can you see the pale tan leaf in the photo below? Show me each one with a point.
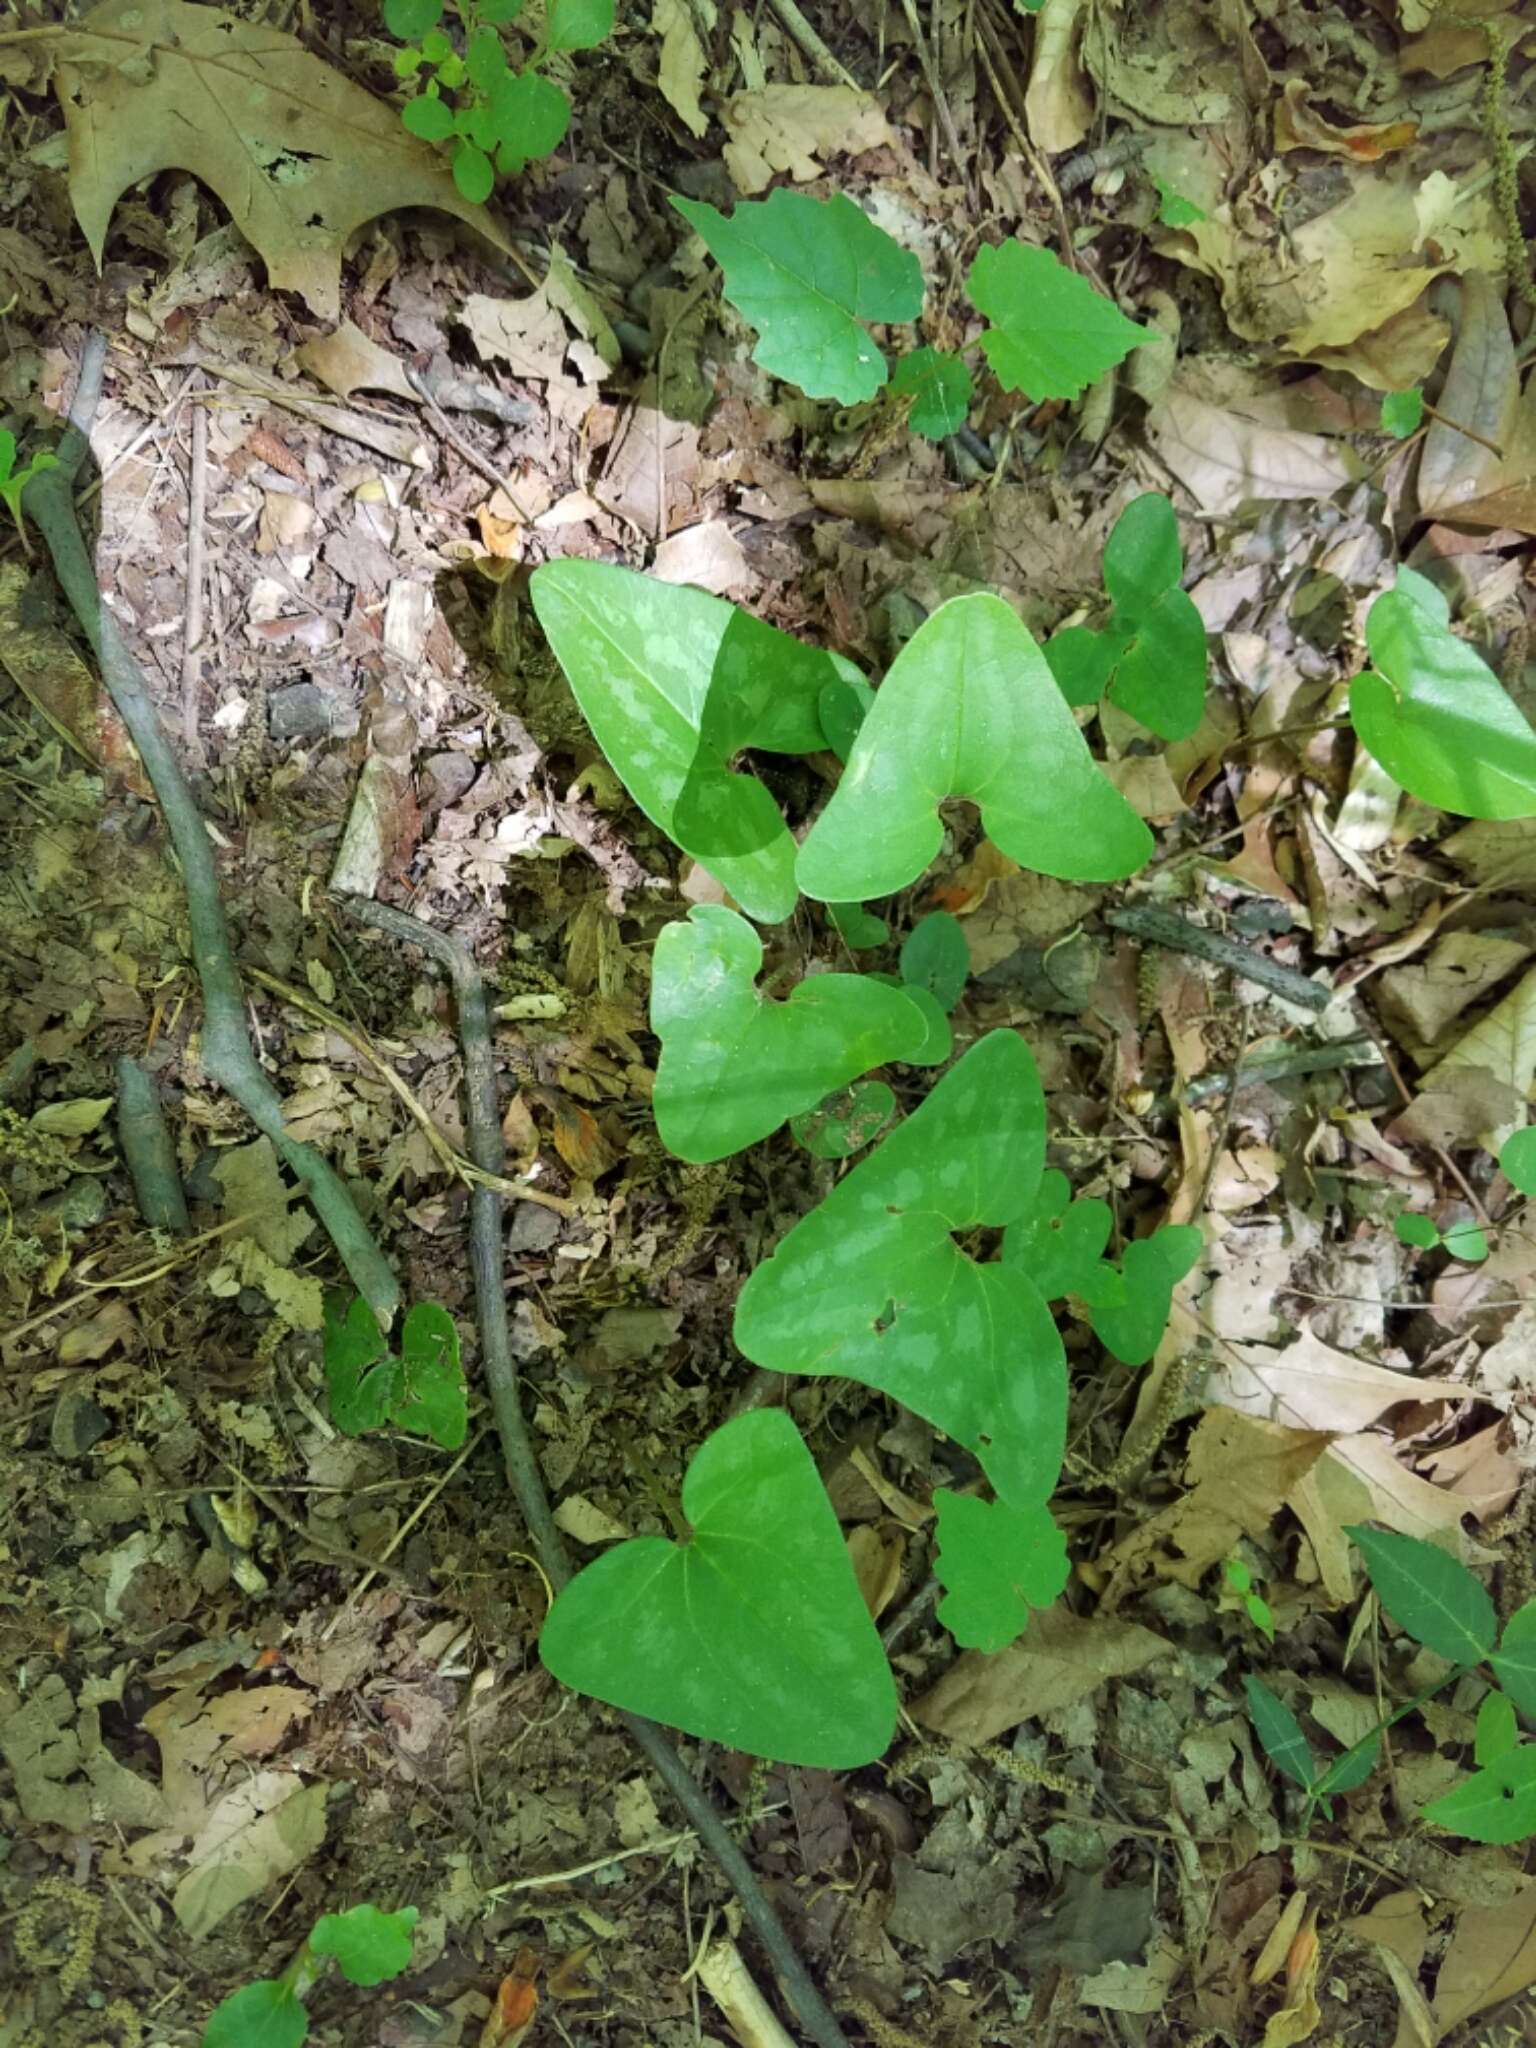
(1361, 1479)
(682, 64)
(350, 360)
(1309, 1385)
(1503, 1044)
(300, 155)
(1482, 391)
(792, 127)
(1058, 107)
(1492, 1957)
(1060, 1660)
(1226, 460)
(256, 1834)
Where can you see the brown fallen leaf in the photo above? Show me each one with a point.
(1062, 1659)
(1310, 1385)
(1225, 459)
(301, 156)
(1298, 125)
(350, 360)
(1057, 103)
(790, 128)
(1492, 1957)
(1462, 479)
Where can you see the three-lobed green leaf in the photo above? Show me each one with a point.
(1495, 1804)
(1434, 714)
(997, 1564)
(753, 1633)
(969, 708)
(873, 1285)
(735, 1065)
(263, 2015)
(809, 274)
(421, 1390)
(940, 387)
(1051, 333)
(1060, 1244)
(1429, 1593)
(369, 1945)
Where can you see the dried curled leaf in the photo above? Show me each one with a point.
(300, 155)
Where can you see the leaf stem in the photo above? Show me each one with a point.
(1319, 1788)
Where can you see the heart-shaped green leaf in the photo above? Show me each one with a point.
(873, 1285)
(969, 708)
(1060, 1244)
(421, 1390)
(1132, 1327)
(262, 2015)
(673, 682)
(1517, 1159)
(997, 1563)
(1143, 556)
(754, 1632)
(806, 273)
(370, 1946)
(1159, 677)
(734, 1066)
(1435, 715)
(1429, 1593)
(1493, 1805)
(936, 957)
(1052, 334)
(1514, 1661)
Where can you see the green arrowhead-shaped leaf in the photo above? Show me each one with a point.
(1493, 1805)
(1052, 334)
(936, 957)
(370, 1946)
(940, 387)
(969, 708)
(1429, 1593)
(1517, 1159)
(1143, 556)
(432, 1399)
(997, 1563)
(1498, 1732)
(1435, 715)
(1159, 676)
(754, 1632)
(846, 1121)
(263, 2015)
(1514, 1661)
(1132, 1326)
(735, 1066)
(362, 1379)
(873, 1286)
(1082, 660)
(1060, 1243)
(672, 682)
(806, 273)
(1284, 1742)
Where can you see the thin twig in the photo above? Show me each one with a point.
(802, 33)
(1167, 928)
(486, 1241)
(482, 464)
(227, 1054)
(192, 632)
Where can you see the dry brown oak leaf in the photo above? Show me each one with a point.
(299, 155)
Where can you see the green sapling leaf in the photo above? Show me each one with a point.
(1350, 1769)
(1497, 1730)
(1280, 1733)
(1416, 1230)
(1082, 660)
(1151, 1267)
(1493, 1805)
(1159, 676)
(370, 1946)
(807, 273)
(1514, 1661)
(1466, 1241)
(409, 20)
(1435, 715)
(1429, 1593)
(941, 390)
(264, 2015)
(578, 24)
(734, 1066)
(859, 930)
(1143, 556)
(1517, 1159)
(969, 708)
(1061, 1247)
(847, 1121)
(1052, 334)
(485, 60)
(1402, 412)
(362, 1379)
(874, 1286)
(530, 116)
(427, 117)
(473, 172)
(432, 1398)
(936, 957)
(753, 1633)
(1060, 1242)
(997, 1563)
(647, 661)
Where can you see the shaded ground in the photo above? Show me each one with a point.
(251, 1669)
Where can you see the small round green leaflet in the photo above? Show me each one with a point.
(1493, 1805)
(1514, 1661)
(847, 1121)
(410, 19)
(753, 1633)
(578, 24)
(422, 1390)
(1466, 1241)
(969, 708)
(264, 2015)
(529, 116)
(1517, 1160)
(1435, 715)
(941, 390)
(806, 273)
(937, 958)
(665, 675)
(1429, 1593)
(873, 1286)
(1052, 334)
(997, 1563)
(370, 1946)
(1401, 412)
(734, 1066)
(855, 926)
(1411, 1228)
(427, 117)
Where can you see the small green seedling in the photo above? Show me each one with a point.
(969, 708)
(674, 683)
(1173, 209)
(14, 481)
(1462, 1240)
(809, 275)
(846, 1121)
(421, 1390)
(874, 1284)
(935, 957)
(1517, 1160)
(1240, 1579)
(1051, 333)
(1434, 714)
(1435, 1599)
(1150, 656)
(940, 388)
(857, 928)
(996, 1563)
(750, 1630)
(497, 117)
(734, 1065)
(367, 1945)
(1402, 412)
